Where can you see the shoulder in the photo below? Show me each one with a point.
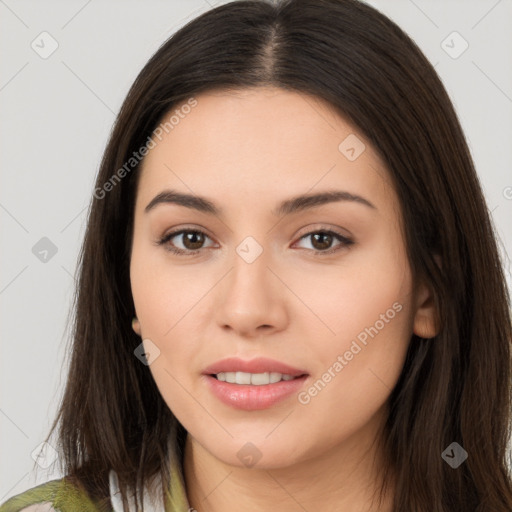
(55, 496)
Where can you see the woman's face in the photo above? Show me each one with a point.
(320, 287)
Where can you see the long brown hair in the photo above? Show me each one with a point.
(455, 387)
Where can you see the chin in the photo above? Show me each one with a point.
(257, 452)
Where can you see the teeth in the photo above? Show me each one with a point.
(256, 379)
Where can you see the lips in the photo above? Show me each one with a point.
(258, 365)
(253, 396)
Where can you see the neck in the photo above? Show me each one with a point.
(345, 477)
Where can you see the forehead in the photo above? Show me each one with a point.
(257, 142)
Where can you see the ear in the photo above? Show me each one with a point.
(136, 325)
(425, 324)
(426, 318)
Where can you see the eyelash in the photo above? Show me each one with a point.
(345, 242)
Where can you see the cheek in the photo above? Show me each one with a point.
(355, 371)
(164, 293)
(368, 309)
(169, 301)
(164, 301)
(352, 295)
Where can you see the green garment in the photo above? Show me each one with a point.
(67, 497)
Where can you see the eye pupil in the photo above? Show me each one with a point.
(322, 236)
(195, 237)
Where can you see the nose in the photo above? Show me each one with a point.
(252, 299)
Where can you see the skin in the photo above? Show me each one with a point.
(247, 151)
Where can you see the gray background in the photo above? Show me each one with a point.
(56, 116)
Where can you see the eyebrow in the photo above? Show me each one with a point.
(292, 205)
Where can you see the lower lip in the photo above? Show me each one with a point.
(252, 398)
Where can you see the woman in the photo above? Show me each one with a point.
(290, 293)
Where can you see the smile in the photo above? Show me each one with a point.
(255, 379)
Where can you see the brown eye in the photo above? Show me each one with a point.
(322, 241)
(192, 241)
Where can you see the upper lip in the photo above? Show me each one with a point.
(258, 365)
